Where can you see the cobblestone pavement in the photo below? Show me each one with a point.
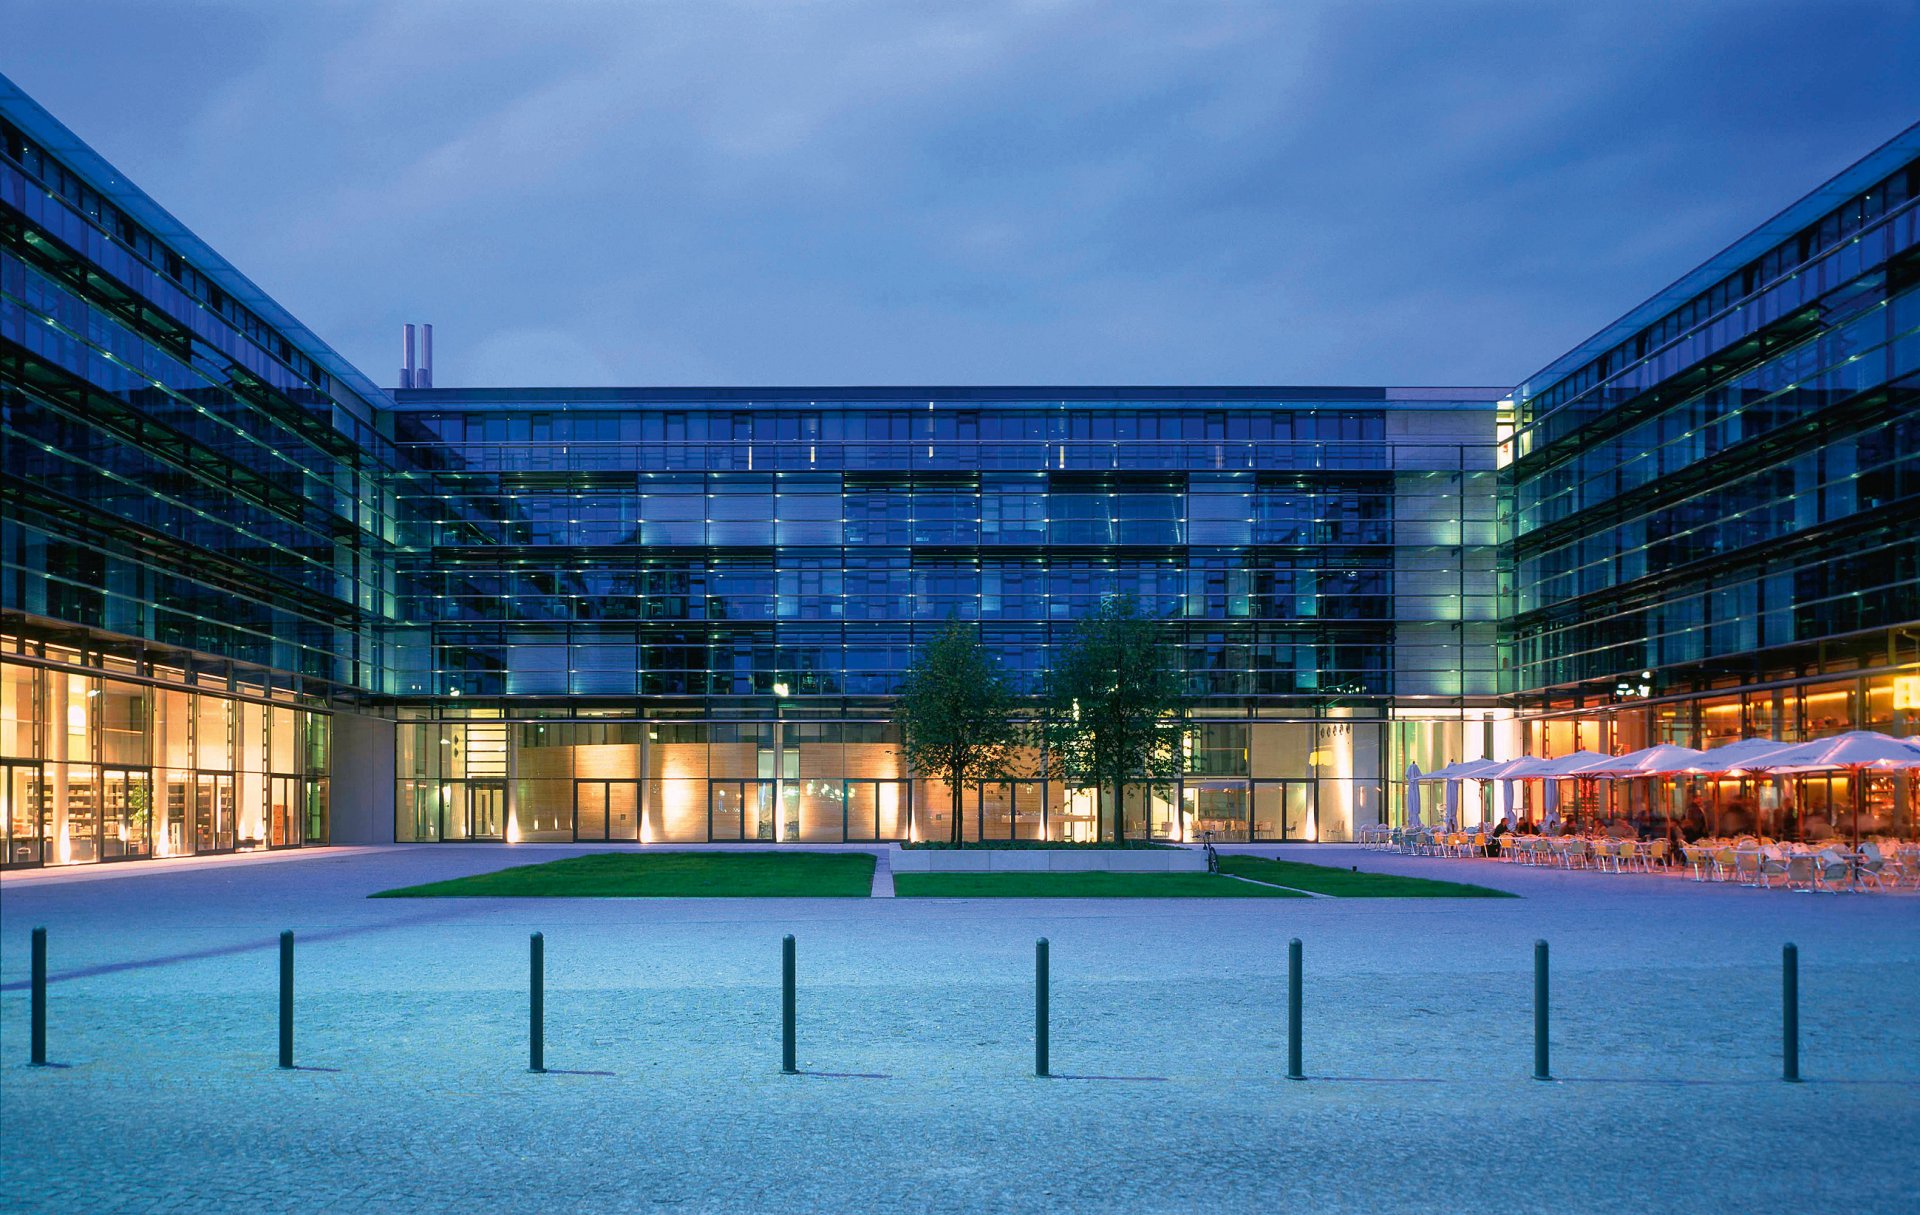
(915, 1034)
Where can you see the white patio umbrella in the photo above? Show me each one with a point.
(1580, 763)
(1550, 819)
(1506, 803)
(1453, 805)
(1663, 759)
(1732, 758)
(1856, 753)
(1735, 756)
(1413, 795)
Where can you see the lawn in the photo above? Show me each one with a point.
(1079, 886)
(667, 875)
(1346, 884)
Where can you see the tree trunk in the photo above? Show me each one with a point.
(1119, 813)
(953, 804)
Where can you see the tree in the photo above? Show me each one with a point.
(956, 714)
(1114, 707)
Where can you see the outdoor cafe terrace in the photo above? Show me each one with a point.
(1832, 814)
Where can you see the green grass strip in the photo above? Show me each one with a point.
(667, 875)
(1079, 886)
(1346, 884)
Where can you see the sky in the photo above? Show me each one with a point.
(575, 193)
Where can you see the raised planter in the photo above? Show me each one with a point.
(1045, 860)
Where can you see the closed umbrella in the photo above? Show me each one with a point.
(1453, 805)
(1550, 796)
(1506, 802)
(1413, 795)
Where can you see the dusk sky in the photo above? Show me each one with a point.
(574, 193)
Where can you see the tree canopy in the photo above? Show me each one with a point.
(956, 715)
(1114, 707)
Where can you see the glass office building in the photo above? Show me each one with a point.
(673, 614)
(250, 599)
(1716, 528)
(193, 534)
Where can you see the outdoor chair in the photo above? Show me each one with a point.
(1800, 872)
(1696, 859)
(1746, 866)
(1772, 866)
(1724, 860)
(1574, 854)
(1831, 871)
(1656, 855)
(1872, 864)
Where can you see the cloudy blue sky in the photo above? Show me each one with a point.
(913, 192)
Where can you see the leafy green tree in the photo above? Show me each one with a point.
(956, 714)
(1114, 708)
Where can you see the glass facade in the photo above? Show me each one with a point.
(102, 759)
(659, 615)
(194, 534)
(751, 571)
(1716, 528)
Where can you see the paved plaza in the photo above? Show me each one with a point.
(915, 1036)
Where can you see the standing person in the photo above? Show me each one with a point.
(1695, 825)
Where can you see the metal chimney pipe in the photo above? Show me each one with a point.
(423, 378)
(406, 356)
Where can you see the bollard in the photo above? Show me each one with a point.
(1790, 1013)
(1042, 1031)
(286, 999)
(1540, 1070)
(537, 1003)
(38, 1031)
(1293, 1011)
(787, 1054)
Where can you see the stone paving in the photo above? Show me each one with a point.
(915, 1034)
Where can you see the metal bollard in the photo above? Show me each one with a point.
(286, 999)
(537, 1003)
(1042, 1029)
(38, 1032)
(1540, 1069)
(1293, 1011)
(1790, 1013)
(787, 1054)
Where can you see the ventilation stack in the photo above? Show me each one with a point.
(416, 372)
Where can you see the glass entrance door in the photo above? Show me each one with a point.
(1284, 810)
(606, 810)
(213, 812)
(284, 811)
(740, 810)
(486, 810)
(126, 809)
(26, 818)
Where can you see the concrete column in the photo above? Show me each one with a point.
(363, 775)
